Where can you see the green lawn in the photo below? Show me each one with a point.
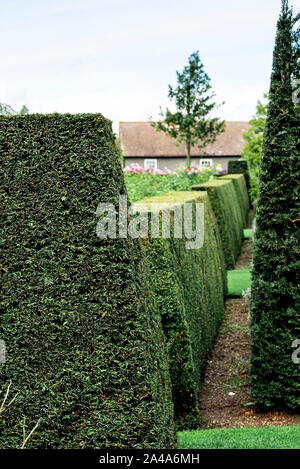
(238, 281)
(248, 233)
(241, 438)
(143, 186)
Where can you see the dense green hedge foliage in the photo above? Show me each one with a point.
(85, 346)
(240, 186)
(275, 298)
(189, 285)
(226, 207)
(240, 167)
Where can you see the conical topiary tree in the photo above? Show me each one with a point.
(275, 309)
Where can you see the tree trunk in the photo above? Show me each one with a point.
(188, 156)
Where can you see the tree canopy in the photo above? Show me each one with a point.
(7, 110)
(252, 150)
(191, 122)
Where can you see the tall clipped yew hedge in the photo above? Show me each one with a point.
(189, 286)
(240, 167)
(240, 186)
(85, 350)
(276, 274)
(227, 209)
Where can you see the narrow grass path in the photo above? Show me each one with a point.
(238, 282)
(248, 233)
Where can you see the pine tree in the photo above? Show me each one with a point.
(275, 305)
(193, 99)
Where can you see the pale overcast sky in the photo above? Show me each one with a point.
(117, 57)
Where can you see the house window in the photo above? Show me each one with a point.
(150, 164)
(204, 163)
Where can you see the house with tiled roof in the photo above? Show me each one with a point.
(144, 145)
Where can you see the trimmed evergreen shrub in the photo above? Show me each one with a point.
(275, 304)
(85, 347)
(189, 286)
(240, 167)
(227, 211)
(242, 194)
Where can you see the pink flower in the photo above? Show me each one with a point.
(134, 168)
